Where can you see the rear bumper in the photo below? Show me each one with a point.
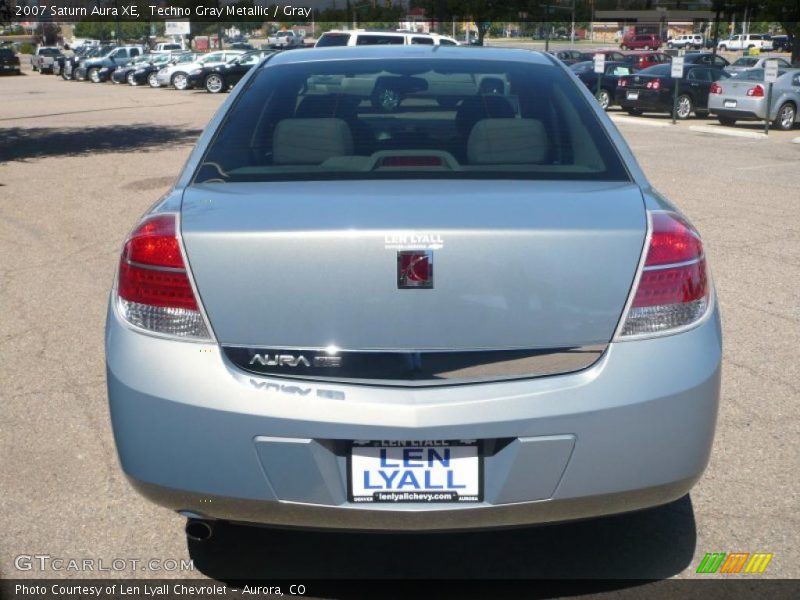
(195, 434)
(746, 108)
(648, 101)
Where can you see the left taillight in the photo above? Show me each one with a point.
(153, 287)
(673, 291)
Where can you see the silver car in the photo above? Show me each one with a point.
(447, 317)
(744, 98)
(746, 63)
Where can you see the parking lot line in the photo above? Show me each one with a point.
(639, 121)
(755, 135)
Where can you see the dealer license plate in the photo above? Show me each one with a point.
(415, 471)
(730, 103)
(633, 95)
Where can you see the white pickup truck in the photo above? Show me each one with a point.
(745, 42)
(285, 39)
(43, 58)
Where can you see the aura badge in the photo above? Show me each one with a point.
(415, 269)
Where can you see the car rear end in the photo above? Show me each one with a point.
(442, 318)
(647, 90)
(743, 97)
(9, 62)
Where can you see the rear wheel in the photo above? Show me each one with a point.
(604, 99)
(727, 121)
(215, 83)
(685, 107)
(179, 81)
(623, 47)
(786, 116)
(647, 47)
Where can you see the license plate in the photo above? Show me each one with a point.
(633, 95)
(426, 471)
(730, 103)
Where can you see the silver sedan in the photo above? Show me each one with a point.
(744, 98)
(465, 313)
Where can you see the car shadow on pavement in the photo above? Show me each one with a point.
(23, 143)
(646, 545)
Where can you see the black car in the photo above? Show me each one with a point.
(651, 90)
(568, 57)
(708, 59)
(127, 73)
(220, 78)
(781, 43)
(9, 61)
(241, 46)
(608, 84)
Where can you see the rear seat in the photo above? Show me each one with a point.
(310, 141)
(507, 141)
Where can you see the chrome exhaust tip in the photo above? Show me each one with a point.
(198, 530)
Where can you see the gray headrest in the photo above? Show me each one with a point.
(310, 141)
(507, 141)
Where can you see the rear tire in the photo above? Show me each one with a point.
(685, 107)
(727, 121)
(787, 114)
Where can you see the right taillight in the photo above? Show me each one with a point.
(673, 288)
(756, 91)
(153, 287)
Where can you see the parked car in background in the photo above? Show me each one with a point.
(642, 60)
(689, 40)
(651, 90)
(705, 58)
(177, 75)
(168, 47)
(781, 43)
(43, 57)
(746, 63)
(568, 57)
(146, 73)
(99, 68)
(220, 78)
(745, 42)
(244, 46)
(610, 55)
(71, 64)
(9, 62)
(744, 98)
(641, 41)
(284, 40)
(382, 38)
(125, 73)
(608, 84)
(516, 328)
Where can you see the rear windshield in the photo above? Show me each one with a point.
(333, 39)
(657, 70)
(411, 118)
(6, 52)
(745, 61)
(49, 51)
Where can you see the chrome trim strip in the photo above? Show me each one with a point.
(411, 369)
(155, 267)
(676, 265)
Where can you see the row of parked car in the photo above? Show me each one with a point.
(641, 82)
(216, 71)
(696, 41)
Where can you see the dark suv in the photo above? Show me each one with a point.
(641, 41)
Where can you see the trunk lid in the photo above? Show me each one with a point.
(516, 264)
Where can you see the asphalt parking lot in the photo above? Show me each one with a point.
(80, 162)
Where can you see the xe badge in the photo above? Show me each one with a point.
(415, 269)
